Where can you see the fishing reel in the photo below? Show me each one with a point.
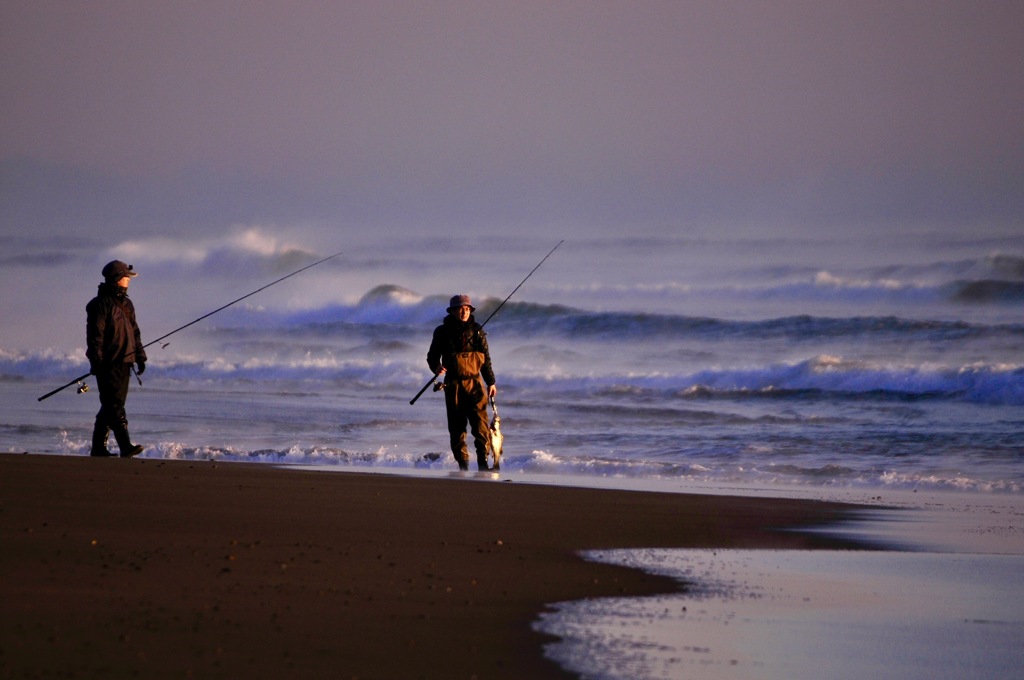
(82, 387)
(438, 386)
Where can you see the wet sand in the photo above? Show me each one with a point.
(783, 614)
(155, 568)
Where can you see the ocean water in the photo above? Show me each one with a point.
(888, 363)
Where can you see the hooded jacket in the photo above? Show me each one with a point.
(454, 336)
(112, 334)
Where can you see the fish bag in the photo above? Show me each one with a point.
(497, 439)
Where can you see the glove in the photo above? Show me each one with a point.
(141, 367)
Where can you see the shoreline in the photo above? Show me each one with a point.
(171, 568)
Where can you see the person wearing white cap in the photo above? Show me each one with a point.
(113, 347)
(459, 350)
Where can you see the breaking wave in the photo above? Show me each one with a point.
(823, 376)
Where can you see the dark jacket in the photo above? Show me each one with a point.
(112, 334)
(454, 336)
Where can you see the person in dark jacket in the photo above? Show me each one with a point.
(459, 351)
(113, 347)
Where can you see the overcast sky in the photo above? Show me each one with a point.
(474, 115)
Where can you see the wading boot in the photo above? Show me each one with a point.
(99, 441)
(481, 463)
(128, 449)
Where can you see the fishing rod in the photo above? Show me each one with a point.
(489, 317)
(84, 388)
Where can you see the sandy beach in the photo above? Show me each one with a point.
(155, 568)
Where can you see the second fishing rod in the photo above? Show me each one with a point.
(433, 378)
(83, 388)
